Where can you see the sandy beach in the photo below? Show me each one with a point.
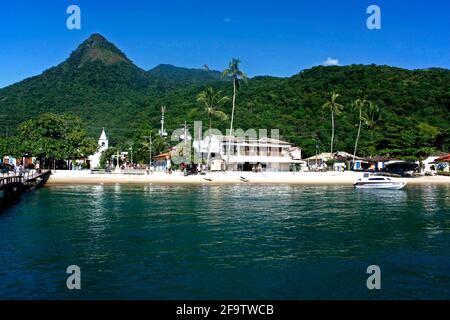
(300, 178)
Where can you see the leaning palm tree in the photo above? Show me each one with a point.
(236, 75)
(212, 100)
(335, 109)
(359, 104)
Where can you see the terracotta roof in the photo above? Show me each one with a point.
(445, 158)
(162, 156)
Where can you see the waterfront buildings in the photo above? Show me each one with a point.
(249, 154)
(162, 162)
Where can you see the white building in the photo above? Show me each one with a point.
(247, 154)
(94, 160)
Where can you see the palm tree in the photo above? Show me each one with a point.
(372, 118)
(359, 104)
(335, 109)
(212, 100)
(236, 75)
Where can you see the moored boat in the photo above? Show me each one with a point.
(378, 182)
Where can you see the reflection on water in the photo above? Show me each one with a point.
(162, 241)
(96, 222)
(387, 197)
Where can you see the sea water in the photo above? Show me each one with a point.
(226, 242)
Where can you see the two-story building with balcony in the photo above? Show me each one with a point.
(249, 154)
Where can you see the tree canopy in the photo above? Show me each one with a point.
(53, 136)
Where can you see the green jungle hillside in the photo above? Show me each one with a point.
(102, 86)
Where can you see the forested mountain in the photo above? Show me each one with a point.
(185, 75)
(97, 82)
(101, 85)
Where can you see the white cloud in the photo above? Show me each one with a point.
(331, 62)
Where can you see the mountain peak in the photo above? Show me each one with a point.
(97, 36)
(97, 48)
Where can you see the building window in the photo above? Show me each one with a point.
(233, 149)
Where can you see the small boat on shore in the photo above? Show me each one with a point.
(378, 182)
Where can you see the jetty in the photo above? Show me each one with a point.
(12, 186)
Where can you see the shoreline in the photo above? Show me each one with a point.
(220, 178)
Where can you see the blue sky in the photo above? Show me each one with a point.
(277, 38)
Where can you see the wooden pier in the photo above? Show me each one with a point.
(12, 187)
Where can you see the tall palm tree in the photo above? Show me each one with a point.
(212, 100)
(359, 104)
(236, 75)
(335, 109)
(372, 118)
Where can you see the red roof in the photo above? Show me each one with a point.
(162, 156)
(444, 158)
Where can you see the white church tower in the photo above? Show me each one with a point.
(102, 146)
(103, 141)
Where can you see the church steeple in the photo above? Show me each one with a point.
(103, 135)
(103, 141)
(94, 160)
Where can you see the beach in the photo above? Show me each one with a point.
(64, 177)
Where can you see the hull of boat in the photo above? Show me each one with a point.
(392, 185)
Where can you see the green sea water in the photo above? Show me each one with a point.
(226, 242)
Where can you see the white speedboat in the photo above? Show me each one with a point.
(378, 182)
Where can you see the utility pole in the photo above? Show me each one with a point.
(162, 133)
(317, 151)
(185, 135)
(185, 138)
(131, 149)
